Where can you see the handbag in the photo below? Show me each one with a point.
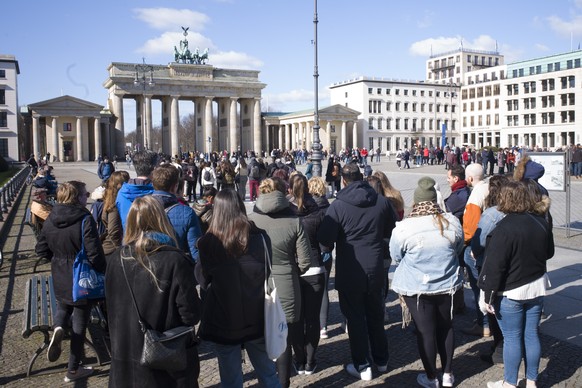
(275, 322)
(87, 283)
(162, 350)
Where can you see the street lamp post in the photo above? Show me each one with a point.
(316, 154)
(140, 78)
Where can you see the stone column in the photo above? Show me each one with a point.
(208, 124)
(174, 125)
(35, 137)
(97, 135)
(281, 136)
(355, 135)
(55, 135)
(80, 139)
(328, 135)
(308, 136)
(344, 134)
(232, 127)
(294, 133)
(118, 130)
(288, 136)
(147, 125)
(257, 145)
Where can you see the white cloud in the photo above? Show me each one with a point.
(165, 43)
(542, 47)
(293, 100)
(234, 60)
(444, 44)
(169, 18)
(566, 27)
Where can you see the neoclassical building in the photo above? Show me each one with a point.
(226, 102)
(338, 128)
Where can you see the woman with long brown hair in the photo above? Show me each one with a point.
(232, 270)
(391, 193)
(113, 235)
(162, 281)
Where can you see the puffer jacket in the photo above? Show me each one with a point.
(290, 250)
(184, 220)
(311, 217)
(60, 241)
(427, 261)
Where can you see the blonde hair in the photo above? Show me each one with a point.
(317, 186)
(145, 216)
(68, 192)
(272, 184)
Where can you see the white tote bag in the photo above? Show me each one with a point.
(275, 321)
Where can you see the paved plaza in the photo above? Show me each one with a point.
(561, 337)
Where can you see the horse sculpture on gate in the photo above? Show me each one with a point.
(184, 55)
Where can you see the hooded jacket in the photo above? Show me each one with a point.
(60, 241)
(290, 250)
(131, 190)
(528, 169)
(357, 222)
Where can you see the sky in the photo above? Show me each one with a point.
(64, 46)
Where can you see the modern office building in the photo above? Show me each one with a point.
(9, 115)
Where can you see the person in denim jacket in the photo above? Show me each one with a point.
(426, 245)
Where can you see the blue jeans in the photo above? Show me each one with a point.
(578, 169)
(229, 364)
(473, 272)
(519, 321)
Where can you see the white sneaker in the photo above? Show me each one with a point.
(323, 333)
(495, 384)
(424, 381)
(364, 374)
(448, 379)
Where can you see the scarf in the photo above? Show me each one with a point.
(459, 185)
(425, 208)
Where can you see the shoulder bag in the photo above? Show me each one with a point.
(87, 283)
(275, 321)
(165, 351)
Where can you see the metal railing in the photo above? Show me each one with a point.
(10, 190)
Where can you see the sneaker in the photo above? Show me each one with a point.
(54, 349)
(424, 381)
(477, 331)
(495, 384)
(364, 373)
(299, 368)
(81, 373)
(323, 333)
(448, 379)
(310, 368)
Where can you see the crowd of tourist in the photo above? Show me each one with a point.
(176, 242)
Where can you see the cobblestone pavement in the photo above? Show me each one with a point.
(561, 364)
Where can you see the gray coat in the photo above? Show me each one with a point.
(291, 253)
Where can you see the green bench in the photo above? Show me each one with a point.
(40, 307)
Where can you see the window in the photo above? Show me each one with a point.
(406, 92)
(388, 91)
(380, 123)
(422, 107)
(544, 118)
(406, 107)
(422, 93)
(472, 106)
(397, 106)
(550, 67)
(497, 119)
(414, 107)
(464, 106)
(379, 90)
(370, 90)
(551, 84)
(464, 121)
(414, 93)
(3, 119)
(2, 96)
(370, 104)
(488, 104)
(430, 107)
(569, 64)
(488, 120)
(2, 73)
(397, 123)
(497, 103)
(564, 82)
(532, 86)
(388, 123)
(480, 106)
(371, 123)
(397, 92)
(557, 66)
(430, 124)
(571, 81)
(438, 93)
(388, 106)
(538, 69)
(496, 90)
(577, 63)
(406, 124)
(346, 95)
(4, 147)
(438, 108)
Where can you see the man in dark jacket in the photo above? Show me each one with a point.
(165, 179)
(105, 169)
(358, 222)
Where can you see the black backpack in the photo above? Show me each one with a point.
(207, 176)
(255, 172)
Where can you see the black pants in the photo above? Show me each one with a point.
(80, 318)
(191, 190)
(364, 311)
(324, 311)
(284, 362)
(434, 325)
(305, 345)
